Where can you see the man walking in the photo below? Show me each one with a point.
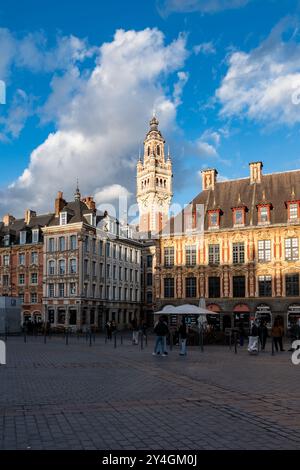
(161, 330)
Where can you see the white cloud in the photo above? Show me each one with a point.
(205, 149)
(165, 7)
(262, 83)
(205, 48)
(100, 127)
(111, 194)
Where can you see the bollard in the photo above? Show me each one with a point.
(142, 342)
(86, 336)
(146, 336)
(115, 340)
(235, 342)
(67, 338)
(121, 339)
(273, 351)
(90, 339)
(25, 337)
(230, 340)
(45, 337)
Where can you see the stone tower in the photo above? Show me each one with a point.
(154, 181)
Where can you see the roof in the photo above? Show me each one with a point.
(275, 188)
(76, 209)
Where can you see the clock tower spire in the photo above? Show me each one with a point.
(154, 181)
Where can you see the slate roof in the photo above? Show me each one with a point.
(275, 188)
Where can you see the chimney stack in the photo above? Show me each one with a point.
(255, 172)
(209, 178)
(89, 202)
(28, 215)
(59, 203)
(8, 219)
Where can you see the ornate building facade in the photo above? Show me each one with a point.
(245, 262)
(154, 181)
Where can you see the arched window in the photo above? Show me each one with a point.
(165, 183)
(158, 150)
(73, 266)
(51, 267)
(62, 267)
(160, 182)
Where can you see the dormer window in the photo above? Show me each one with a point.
(214, 218)
(239, 216)
(293, 208)
(22, 237)
(63, 218)
(6, 240)
(90, 218)
(264, 213)
(35, 235)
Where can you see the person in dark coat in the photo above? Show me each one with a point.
(161, 330)
(183, 334)
(263, 334)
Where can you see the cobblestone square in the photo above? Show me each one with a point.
(58, 396)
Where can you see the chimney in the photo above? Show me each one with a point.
(8, 219)
(89, 202)
(59, 203)
(209, 179)
(255, 172)
(28, 215)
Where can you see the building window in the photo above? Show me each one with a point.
(22, 259)
(61, 290)
(214, 287)
(73, 242)
(292, 285)
(190, 287)
(73, 266)
(120, 273)
(291, 249)
(239, 216)
(62, 243)
(239, 286)
(293, 212)
(114, 272)
(149, 297)
(238, 253)
(94, 268)
(265, 286)
(6, 260)
(51, 267)
(214, 219)
(21, 279)
(169, 256)
(86, 267)
(149, 279)
(22, 237)
(190, 255)
(21, 297)
(72, 288)
(34, 298)
(114, 293)
(51, 245)
(169, 287)
(149, 261)
(214, 254)
(264, 251)
(51, 290)
(130, 256)
(108, 249)
(86, 244)
(131, 275)
(264, 214)
(125, 254)
(35, 236)
(6, 280)
(62, 267)
(34, 257)
(34, 278)
(63, 218)
(108, 271)
(6, 240)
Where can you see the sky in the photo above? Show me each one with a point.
(83, 78)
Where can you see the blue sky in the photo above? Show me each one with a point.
(83, 77)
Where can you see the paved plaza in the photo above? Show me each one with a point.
(54, 396)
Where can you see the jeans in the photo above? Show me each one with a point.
(278, 341)
(159, 345)
(182, 346)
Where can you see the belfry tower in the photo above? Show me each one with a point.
(154, 181)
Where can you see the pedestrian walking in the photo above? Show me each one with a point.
(135, 331)
(263, 334)
(277, 334)
(161, 330)
(241, 333)
(108, 330)
(183, 334)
